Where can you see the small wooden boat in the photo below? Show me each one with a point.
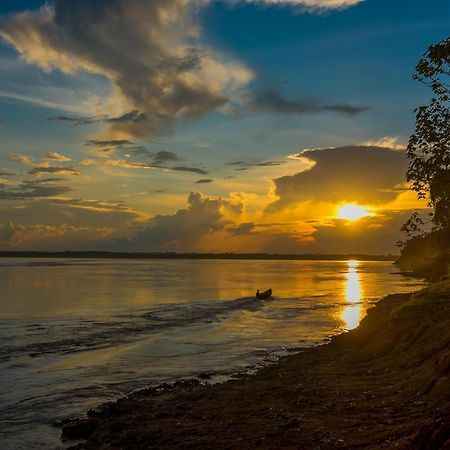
(263, 295)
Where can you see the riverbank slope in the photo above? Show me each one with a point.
(383, 385)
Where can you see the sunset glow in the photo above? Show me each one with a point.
(352, 212)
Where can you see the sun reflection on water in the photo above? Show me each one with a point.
(351, 314)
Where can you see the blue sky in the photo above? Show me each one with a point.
(253, 84)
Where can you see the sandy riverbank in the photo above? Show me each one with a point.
(383, 385)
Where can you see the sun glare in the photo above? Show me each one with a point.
(352, 212)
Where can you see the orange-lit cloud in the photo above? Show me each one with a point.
(359, 174)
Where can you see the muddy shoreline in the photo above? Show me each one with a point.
(383, 385)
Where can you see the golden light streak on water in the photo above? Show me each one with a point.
(353, 294)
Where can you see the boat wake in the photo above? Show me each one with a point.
(42, 338)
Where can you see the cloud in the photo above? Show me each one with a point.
(6, 232)
(371, 235)
(57, 157)
(386, 142)
(129, 148)
(150, 50)
(125, 164)
(116, 143)
(45, 237)
(271, 101)
(154, 54)
(33, 222)
(47, 187)
(248, 164)
(366, 175)
(181, 231)
(204, 181)
(309, 5)
(164, 156)
(54, 169)
(196, 170)
(127, 118)
(21, 159)
(6, 173)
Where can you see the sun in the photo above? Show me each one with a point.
(352, 212)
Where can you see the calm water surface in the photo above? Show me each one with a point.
(75, 333)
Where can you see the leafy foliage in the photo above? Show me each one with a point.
(428, 253)
(429, 146)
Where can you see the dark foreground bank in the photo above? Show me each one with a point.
(384, 385)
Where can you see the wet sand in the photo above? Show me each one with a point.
(383, 385)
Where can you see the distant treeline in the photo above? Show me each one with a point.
(124, 255)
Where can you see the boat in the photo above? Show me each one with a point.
(264, 295)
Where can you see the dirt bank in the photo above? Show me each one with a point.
(384, 385)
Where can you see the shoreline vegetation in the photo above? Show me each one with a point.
(173, 255)
(383, 385)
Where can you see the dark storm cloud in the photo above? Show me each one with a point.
(144, 47)
(363, 174)
(54, 169)
(271, 101)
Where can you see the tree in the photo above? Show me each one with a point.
(428, 253)
(429, 147)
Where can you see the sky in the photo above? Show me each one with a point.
(210, 126)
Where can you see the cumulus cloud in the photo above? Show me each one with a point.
(57, 157)
(153, 53)
(370, 235)
(183, 230)
(150, 50)
(367, 175)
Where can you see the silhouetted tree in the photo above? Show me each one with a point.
(428, 253)
(429, 147)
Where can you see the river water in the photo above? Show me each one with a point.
(76, 333)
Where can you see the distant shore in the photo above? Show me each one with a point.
(383, 385)
(159, 255)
